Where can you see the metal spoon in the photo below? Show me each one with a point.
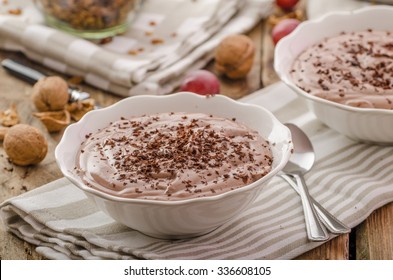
(331, 222)
(301, 162)
(31, 76)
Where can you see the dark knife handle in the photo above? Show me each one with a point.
(22, 71)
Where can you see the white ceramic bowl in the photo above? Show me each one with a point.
(361, 124)
(185, 218)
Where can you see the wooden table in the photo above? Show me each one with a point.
(373, 239)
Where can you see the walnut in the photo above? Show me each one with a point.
(80, 108)
(3, 132)
(54, 121)
(50, 94)
(10, 116)
(25, 145)
(234, 56)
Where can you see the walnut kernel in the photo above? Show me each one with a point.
(274, 19)
(80, 108)
(10, 116)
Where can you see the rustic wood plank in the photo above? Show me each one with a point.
(374, 237)
(13, 248)
(15, 180)
(268, 75)
(335, 249)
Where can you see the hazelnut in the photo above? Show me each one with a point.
(234, 56)
(50, 94)
(54, 121)
(25, 145)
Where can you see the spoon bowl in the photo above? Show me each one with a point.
(303, 158)
(301, 161)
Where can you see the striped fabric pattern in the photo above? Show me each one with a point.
(349, 179)
(189, 30)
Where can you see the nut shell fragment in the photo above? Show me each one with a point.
(54, 121)
(25, 145)
(234, 56)
(10, 116)
(50, 94)
(275, 19)
(80, 108)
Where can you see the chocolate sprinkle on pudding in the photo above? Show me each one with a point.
(354, 69)
(173, 156)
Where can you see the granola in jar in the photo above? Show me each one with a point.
(92, 19)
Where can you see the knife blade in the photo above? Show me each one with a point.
(31, 76)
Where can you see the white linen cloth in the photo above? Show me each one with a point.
(190, 31)
(349, 179)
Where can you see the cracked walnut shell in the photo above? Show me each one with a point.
(234, 56)
(25, 145)
(80, 108)
(54, 121)
(50, 94)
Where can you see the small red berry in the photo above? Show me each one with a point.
(283, 28)
(201, 82)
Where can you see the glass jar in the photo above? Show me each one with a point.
(90, 19)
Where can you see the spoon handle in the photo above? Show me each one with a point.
(331, 222)
(316, 231)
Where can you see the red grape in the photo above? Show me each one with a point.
(286, 4)
(283, 28)
(201, 82)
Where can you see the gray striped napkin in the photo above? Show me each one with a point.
(189, 32)
(349, 179)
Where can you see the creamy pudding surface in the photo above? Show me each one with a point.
(173, 156)
(354, 69)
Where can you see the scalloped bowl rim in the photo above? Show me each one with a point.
(282, 44)
(76, 126)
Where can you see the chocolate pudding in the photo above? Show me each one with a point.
(354, 69)
(173, 156)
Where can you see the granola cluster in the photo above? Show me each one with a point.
(89, 14)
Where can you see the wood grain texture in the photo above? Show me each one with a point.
(335, 249)
(374, 237)
(268, 75)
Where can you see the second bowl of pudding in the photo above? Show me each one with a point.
(342, 64)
